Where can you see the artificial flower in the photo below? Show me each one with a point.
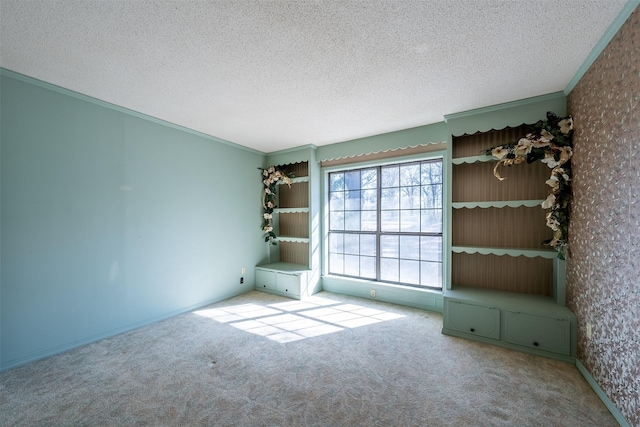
(566, 125)
(549, 201)
(499, 152)
(546, 135)
(271, 177)
(565, 155)
(552, 222)
(558, 171)
(553, 182)
(524, 147)
(557, 236)
(540, 143)
(550, 142)
(550, 160)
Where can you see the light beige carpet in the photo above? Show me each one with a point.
(263, 360)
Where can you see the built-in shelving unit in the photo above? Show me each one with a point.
(291, 218)
(505, 286)
(292, 268)
(498, 218)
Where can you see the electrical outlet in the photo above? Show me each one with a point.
(241, 280)
(373, 293)
(589, 331)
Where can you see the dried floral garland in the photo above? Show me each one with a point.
(551, 143)
(271, 177)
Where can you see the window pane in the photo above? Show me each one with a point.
(390, 176)
(369, 201)
(369, 178)
(431, 172)
(352, 180)
(351, 244)
(336, 201)
(390, 221)
(431, 274)
(410, 272)
(389, 246)
(390, 199)
(409, 221)
(432, 196)
(336, 264)
(389, 270)
(410, 198)
(336, 220)
(431, 221)
(352, 200)
(352, 220)
(431, 248)
(368, 244)
(368, 267)
(351, 265)
(410, 247)
(410, 174)
(336, 243)
(336, 182)
(369, 221)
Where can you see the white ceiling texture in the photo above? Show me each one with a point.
(275, 74)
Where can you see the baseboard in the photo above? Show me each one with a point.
(562, 358)
(602, 395)
(113, 332)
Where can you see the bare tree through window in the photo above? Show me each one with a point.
(385, 223)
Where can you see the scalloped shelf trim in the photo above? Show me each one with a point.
(295, 180)
(469, 132)
(473, 159)
(513, 252)
(292, 239)
(497, 204)
(291, 210)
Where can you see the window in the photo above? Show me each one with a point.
(385, 223)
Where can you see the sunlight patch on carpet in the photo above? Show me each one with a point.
(295, 320)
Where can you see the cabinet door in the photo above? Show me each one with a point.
(288, 283)
(473, 319)
(543, 333)
(265, 279)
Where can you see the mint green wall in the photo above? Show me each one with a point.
(110, 220)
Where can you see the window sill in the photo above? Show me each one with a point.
(427, 299)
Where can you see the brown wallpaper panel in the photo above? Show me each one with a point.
(520, 227)
(475, 182)
(503, 273)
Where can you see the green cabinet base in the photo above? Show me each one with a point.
(528, 323)
(286, 279)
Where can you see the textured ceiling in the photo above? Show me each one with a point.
(277, 74)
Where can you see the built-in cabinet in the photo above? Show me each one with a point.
(530, 323)
(283, 278)
(291, 267)
(505, 286)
